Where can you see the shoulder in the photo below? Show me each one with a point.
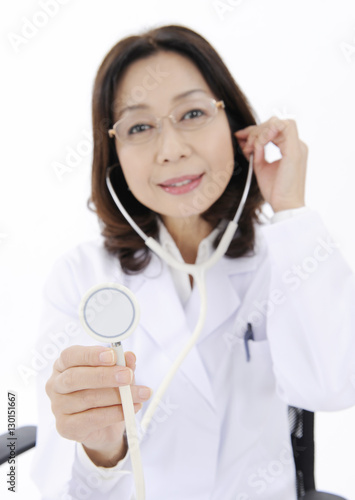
(89, 254)
(83, 266)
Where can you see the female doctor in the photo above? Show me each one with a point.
(178, 132)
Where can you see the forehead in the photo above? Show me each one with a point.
(156, 81)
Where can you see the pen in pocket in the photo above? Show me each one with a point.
(249, 335)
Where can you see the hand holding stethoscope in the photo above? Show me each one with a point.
(282, 182)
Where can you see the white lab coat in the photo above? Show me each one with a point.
(222, 431)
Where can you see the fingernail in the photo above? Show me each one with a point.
(124, 376)
(145, 392)
(107, 357)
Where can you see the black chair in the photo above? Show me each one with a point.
(25, 440)
(302, 437)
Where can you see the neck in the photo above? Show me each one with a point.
(187, 233)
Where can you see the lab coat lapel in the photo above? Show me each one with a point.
(223, 299)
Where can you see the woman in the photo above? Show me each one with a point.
(170, 118)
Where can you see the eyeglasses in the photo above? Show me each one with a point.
(140, 126)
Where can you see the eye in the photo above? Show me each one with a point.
(139, 127)
(193, 113)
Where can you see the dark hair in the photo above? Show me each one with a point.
(120, 238)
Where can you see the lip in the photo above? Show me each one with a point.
(195, 181)
(175, 180)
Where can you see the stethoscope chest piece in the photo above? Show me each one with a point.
(109, 312)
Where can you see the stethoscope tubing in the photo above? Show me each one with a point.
(198, 272)
(131, 428)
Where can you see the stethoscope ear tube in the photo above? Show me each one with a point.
(192, 268)
(246, 190)
(120, 207)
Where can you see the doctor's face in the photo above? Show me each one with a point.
(180, 171)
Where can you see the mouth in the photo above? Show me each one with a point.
(181, 185)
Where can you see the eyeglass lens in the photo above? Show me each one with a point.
(139, 126)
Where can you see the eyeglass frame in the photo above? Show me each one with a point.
(218, 105)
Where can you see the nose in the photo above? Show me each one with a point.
(171, 145)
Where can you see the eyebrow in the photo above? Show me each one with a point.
(145, 106)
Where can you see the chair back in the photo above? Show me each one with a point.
(302, 438)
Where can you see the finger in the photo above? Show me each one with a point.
(244, 132)
(267, 135)
(249, 141)
(282, 133)
(95, 377)
(87, 399)
(259, 155)
(130, 358)
(84, 356)
(271, 129)
(78, 426)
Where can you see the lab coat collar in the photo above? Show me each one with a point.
(204, 250)
(165, 320)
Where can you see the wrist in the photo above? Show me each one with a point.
(107, 457)
(287, 214)
(290, 206)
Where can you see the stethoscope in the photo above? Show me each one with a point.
(116, 297)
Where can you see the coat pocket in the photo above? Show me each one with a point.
(253, 400)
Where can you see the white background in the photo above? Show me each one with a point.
(292, 59)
